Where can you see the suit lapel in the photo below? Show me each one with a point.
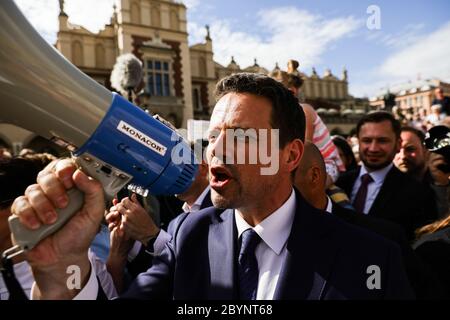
(348, 181)
(207, 202)
(388, 188)
(310, 256)
(221, 256)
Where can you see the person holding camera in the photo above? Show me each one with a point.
(433, 240)
(415, 160)
(437, 141)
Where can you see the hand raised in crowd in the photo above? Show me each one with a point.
(69, 245)
(440, 177)
(120, 246)
(133, 219)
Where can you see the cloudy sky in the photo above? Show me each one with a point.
(411, 40)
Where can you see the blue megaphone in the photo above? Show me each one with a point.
(112, 140)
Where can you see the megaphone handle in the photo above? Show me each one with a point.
(28, 239)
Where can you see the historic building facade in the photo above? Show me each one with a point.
(412, 95)
(179, 79)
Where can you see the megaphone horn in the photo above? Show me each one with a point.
(112, 140)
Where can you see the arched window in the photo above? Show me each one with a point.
(77, 53)
(307, 88)
(318, 90)
(202, 67)
(156, 16)
(135, 13)
(196, 99)
(331, 90)
(99, 56)
(173, 20)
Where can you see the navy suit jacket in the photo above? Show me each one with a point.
(326, 259)
(206, 203)
(144, 259)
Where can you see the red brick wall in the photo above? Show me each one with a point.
(203, 93)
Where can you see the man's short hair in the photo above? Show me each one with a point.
(287, 115)
(420, 134)
(377, 117)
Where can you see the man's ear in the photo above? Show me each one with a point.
(398, 145)
(295, 153)
(315, 174)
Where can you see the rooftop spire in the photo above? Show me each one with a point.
(208, 37)
(61, 8)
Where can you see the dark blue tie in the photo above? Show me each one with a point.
(248, 266)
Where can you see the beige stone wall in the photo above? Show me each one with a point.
(420, 99)
(154, 13)
(188, 112)
(168, 19)
(15, 136)
(72, 37)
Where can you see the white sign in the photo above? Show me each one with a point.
(141, 138)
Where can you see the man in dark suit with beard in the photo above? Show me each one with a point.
(378, 188)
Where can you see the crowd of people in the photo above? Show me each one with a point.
(421, 118)
(312, 230)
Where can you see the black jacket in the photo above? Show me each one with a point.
(326, 259)
(401, 200)
(434, 250)
(419, 275)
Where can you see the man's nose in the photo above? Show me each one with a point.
(219, 147)
(401, 154)
(374, 146)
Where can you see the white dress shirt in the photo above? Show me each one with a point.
(90, 290)
(271, 251)
(329, 207)
(373, 188)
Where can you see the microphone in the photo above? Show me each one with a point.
(126, 75)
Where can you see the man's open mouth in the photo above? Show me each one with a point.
(219, 177)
